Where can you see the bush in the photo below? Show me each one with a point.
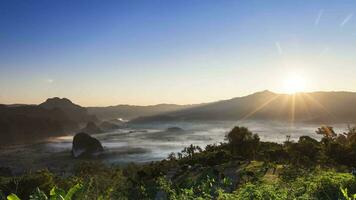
(324, 185)
(25, 185)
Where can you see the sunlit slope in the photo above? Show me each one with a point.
(321, 107)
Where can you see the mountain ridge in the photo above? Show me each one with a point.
(57, 116)
(320, 107)
(73, 111)
(29, 123)
(128, 112)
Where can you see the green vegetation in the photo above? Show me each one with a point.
(242, 168)
(55, 194)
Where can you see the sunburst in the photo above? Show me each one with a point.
(294, 84)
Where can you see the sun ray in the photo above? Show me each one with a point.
(294, 84)
(292, 112)
(259, 107)
(304, 104)
(320, 105)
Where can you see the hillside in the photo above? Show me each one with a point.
(29, 123)
(73, 111)
(321, 107)
(129, 112)
(241, 168)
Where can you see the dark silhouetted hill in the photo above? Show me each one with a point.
(30, 123)
(25, 124)
(73, 111)
(319, 107)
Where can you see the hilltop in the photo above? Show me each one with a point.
(29, 123)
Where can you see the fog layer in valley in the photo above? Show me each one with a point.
(144, 143)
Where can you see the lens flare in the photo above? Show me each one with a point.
(294, 84)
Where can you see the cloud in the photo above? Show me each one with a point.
(50, 81)
(279, 48)
(347, 19)
(320, 14)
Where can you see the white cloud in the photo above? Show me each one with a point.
(50, 81)
(279, 48)
(347, 19)
(320, 14)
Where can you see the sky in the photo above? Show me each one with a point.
(100, 53)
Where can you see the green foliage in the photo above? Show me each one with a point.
(318, 185)
(291, 173)
(71, 192)
(206, 188)
(191, 150)
(255, 192)
(55, 194)
(39, 195)
(323, 185)
(243, 142)
(13, 197)
(261, 192)
(243, 168)
(346, 194)
(24, 186)
(339, 148)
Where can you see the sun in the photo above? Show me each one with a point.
(294, 84)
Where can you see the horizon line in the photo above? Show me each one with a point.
(188, 104)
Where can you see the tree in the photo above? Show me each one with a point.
(350, 135)
(191, 150)
(327, 132)
(172, 156)
(340, 148)
(305, 152)
(243, 142)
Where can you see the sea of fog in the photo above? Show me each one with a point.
(145, 143)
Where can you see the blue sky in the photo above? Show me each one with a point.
(149, 52)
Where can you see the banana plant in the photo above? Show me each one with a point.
(13, 197)
(346, 195)
(55, 194)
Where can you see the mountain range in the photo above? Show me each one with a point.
(22, 123)
(317, 107)
(129, 112)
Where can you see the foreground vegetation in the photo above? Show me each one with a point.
(242, 168)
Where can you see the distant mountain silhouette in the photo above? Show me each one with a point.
(28, 123)
(23, 124)
(74, 112)
(320, 107)
(56, 116)
(128, 112)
